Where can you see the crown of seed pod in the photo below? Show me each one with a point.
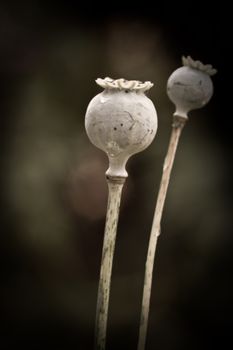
(121, 121)
(190, 87)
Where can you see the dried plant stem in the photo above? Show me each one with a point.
(115, 185)
(177, 127)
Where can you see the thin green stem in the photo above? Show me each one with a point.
(177, 127)
(115, 186)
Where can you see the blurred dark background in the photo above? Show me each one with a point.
(53, 190)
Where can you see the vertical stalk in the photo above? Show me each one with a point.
(177, 126)
(115, 185)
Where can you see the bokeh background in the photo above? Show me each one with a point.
(53, 190)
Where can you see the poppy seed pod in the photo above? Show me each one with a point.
(121, 121)
(190, 87)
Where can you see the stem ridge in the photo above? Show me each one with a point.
(177, 126)
(115, 186)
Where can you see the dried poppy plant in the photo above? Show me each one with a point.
(121, 121)
(189, 87)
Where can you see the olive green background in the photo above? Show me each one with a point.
(53, 190)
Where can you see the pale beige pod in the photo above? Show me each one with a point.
(121, 121)
(190, 87)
